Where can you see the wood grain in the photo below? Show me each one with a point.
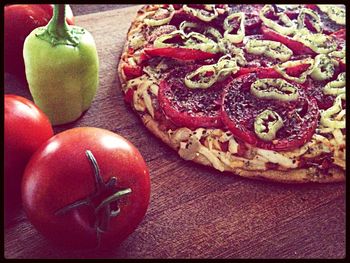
(88, 9)
(195, 211)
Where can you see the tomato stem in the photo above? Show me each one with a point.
(98, 178)
(74, 205)
(112, 198)
(102, 210)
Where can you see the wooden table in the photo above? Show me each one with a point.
(195, 211)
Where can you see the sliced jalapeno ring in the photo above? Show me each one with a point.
(225, 46)
(209, 31)
(266, 125)
(272, 49)
(206, 15)
(323, 69)
(334, 117)
(281, 68)
(226, 66)
(160, 41)
(337, 55)
(315, 21)
(158, 22)
(204, 80)
(198, 41)
(287, 27)
(334, 12)
(276, 89)
(336, 87)
(237, 37)
(192, 40)
(205, 76)
(213, 32)
(319, 43)
(186, 24)
(226, 61)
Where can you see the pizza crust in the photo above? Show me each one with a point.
(297, 175)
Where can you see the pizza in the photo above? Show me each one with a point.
(252, 90)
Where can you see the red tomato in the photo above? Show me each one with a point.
(131, 71)
(340, 34)
(26, 128)
(297, 47)
(270, 72)
(179, 53)
(71, 197)
(340, 37)
(129, 95)
(19, 21)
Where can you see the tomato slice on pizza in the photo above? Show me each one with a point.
(188, 107)
(270, 113)
(179, 53)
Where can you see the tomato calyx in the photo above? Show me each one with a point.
(103, 210)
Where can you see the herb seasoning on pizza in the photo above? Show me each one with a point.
(256, 90)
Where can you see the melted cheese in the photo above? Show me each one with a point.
(190, 147)
(142, 86)
(334, 117)
(137, 40)
(278, 158)
(339, 148)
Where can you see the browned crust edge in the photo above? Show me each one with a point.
(299, 175)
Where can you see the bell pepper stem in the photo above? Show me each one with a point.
(58, 25)
(58, 31)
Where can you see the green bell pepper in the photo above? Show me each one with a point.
(62, 67)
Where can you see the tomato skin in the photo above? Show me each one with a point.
(129, 95)
(26, 128)
(297, 47)
(187, 116)
(131, 71)
(185, 119)
(19, 21)
(179, 53)
(59, 174)
(340, 37)
(270, 72)
(341, 34)
(243, 71)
